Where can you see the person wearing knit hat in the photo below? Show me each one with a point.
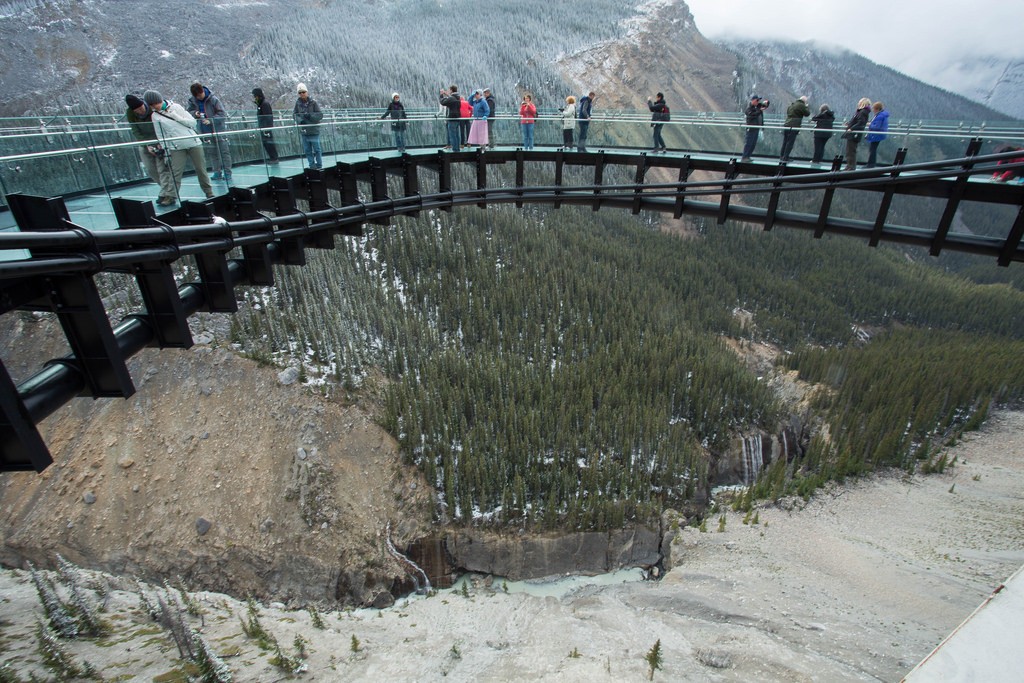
(396, 111)
(151, 154)
(308, 116)
(175, 129)
(795, 115)
(265, 120)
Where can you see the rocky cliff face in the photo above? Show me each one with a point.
(536, 556)
(287, 496)
(662, 52)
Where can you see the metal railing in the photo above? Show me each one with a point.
(71, 155)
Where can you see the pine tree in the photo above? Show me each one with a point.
(653, 658)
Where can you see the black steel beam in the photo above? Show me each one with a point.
(886, 203)
(23, 448)
(773, 198)
(684, 175)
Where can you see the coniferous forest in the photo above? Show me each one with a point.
(567, 368)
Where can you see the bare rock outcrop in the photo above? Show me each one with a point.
(519, 557)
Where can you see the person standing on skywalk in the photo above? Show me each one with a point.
(265, 121)
(586, 111)
(152, 155)
(794, 119)
(213, 120)
(308, 116)
(568, 122)
(878, 126)
(174, 128)
(659, 116)
(754, 114)
(853, 132)
(396, 112)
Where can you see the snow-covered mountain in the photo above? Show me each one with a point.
(781, 70)
(998, 83)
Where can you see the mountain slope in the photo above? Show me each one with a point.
(782, 71)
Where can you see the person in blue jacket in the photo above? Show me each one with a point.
(481, 110)
(879, 124)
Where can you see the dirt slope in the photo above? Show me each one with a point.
(296, 489)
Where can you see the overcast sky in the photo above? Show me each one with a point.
(927, 39)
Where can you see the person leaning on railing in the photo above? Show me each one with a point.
(173, 126)
(139, 117)
(823, 122)
(795, 115)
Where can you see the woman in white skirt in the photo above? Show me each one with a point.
(568, 121)
(481, 110)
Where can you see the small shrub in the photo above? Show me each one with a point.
(212, 668)
(58, 615)
(355, 645)
(57, 659)
(300, 644)
(654, 660)
(314, 615)
(254, 629)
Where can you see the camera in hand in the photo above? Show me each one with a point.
(764, 104)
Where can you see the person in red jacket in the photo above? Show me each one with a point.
(527, 118)
(1007, 175)
(466, 119)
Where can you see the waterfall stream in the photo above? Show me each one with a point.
(413, 569)
(753, 458)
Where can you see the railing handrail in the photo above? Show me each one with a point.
(720, 120)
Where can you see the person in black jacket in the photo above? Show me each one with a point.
(396, 111)
(265, 121)
(585, 109)
(755, 120)
(451, 101)
(852, 135)
(489, 97)
(823, 122)
(659, 115)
